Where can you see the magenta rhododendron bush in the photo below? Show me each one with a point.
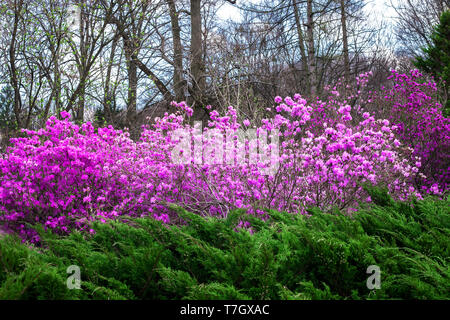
(412, 104)
(318, 154)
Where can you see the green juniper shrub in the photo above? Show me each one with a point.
(319, 256)
(215, 291)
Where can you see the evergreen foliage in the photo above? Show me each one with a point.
(319, 256)
(436, 60)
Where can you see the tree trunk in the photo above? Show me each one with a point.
(56, 84)
(132, 80)
(12, 62)
(301, 43)
(345, 42)
(127, 37)
(312, 77)
(197, 67)
(178, 82)
(79, 114)
(108, 94)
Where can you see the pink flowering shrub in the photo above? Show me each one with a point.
(411, 103)
(65, 175)
(328, 168)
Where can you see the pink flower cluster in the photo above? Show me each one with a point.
(412, 104)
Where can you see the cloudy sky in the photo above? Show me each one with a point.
(380, 8)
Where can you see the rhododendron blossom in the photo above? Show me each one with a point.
(65, 176)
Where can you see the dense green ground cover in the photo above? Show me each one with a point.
(324, 256)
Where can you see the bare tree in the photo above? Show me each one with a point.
(345, 41)
(178, 81)
(86, 41)
(415, 22)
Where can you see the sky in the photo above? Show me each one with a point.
(377, 11)
(229, 11)
(379, 7)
